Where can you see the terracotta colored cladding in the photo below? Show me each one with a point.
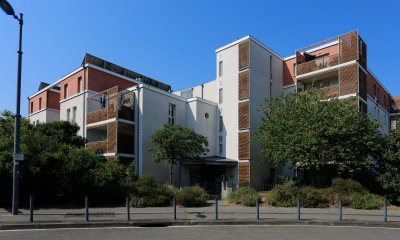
(72, 82)
(100, 81)
(244, 84)
(244, 55)
(288, 72)
(348, 76)
(331, 50)
(244, 172)
(244, 145)
(374, 89)
(244, 115)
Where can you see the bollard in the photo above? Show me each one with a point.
(87, 208)
(174, 206)
(216, 208)
(298, 209)
(258, 209)
(31, 208)
(385, 210)
(340, 210)
(128, 211)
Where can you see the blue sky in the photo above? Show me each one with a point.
(174, 41)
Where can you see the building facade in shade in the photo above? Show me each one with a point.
(118, 110)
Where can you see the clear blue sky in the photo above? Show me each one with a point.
(174, 41)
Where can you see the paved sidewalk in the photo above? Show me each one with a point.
(204, 215)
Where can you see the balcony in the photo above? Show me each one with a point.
(317, 64)
(99, 147)
(110, 104)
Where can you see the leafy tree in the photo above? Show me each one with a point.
(388, 166)
(174, 143)
(305, 130)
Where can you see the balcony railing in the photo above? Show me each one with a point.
(99, 147)
(317, 64)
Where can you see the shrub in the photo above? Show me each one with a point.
(147, 193)
(342, 189)
(312, 197)
(244, 195)
(365, 201)
(283, 195)
(191, 196)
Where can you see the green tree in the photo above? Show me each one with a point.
(174, 143)
(305, 130)
(388, 166)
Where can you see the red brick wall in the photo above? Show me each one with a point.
(72, 82)
(53, 100)
(288, 72)
(371, 82)
(99, 81)
(35, 101)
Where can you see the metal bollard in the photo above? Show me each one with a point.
(340, 210)
(385, 210)
(216, 208)
(87, 208)
(174, 206)
(31, 208)
(298, 209)
(128, 210)
(258, 209)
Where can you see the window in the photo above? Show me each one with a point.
(187, 93)
(220, 139)
(65, 91)
(73, 114)
(31, 107)
(221, 124)
(270, 66)
(375, 90)
(40, 103)
(220, 148)
(294, 69)
(80, 87)
(68, 114)
(393, 125)
(171, 114)
(221, 95)
(220, 68)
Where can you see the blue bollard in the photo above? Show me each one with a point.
(128, 211)
(216, 208)
(86, 208)
(298, 209)
(340, 210)
(31, 208)
(258, 209)
(174, 206)
(385, 211)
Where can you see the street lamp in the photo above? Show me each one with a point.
(7, 8)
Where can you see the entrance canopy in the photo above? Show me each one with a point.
(213, 160)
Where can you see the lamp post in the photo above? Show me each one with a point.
(7, 8)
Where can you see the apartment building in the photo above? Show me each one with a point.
(118, 109)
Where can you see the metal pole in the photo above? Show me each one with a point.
(31, 208)
(216, 208)
(15, 194)
(385, 211)
(258, 209)
(340, 210)
(174, 206)
(128, 211)
(87, 208)
(298, 209)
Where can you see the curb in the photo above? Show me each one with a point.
(166, 223)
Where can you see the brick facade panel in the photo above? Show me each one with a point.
(244, 85)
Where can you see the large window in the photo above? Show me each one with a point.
(31, 107)
(221, 95)
(80, 87)
(65, 91)
(221, 124)
(40, 103)
(73, 114)
(68, 114)
(171, 114)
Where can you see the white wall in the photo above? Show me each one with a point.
(380, 114)
(74, 101)
(45, 115)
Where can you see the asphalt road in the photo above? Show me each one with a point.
(209, 232)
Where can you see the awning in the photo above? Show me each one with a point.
(213, 160)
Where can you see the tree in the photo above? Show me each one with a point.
(388, 166)
(174, 143)
(306, 131)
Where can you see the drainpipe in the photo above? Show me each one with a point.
(84, 102)
(202, 90)
(137, 124)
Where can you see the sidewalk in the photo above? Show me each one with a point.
(227, 214)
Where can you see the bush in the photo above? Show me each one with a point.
(191, 196)
(312, 197)
(244, 195)
(283, 195)
(365, 201)
(342, 189)
(147, 193)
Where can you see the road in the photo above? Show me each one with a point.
(208, 232)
